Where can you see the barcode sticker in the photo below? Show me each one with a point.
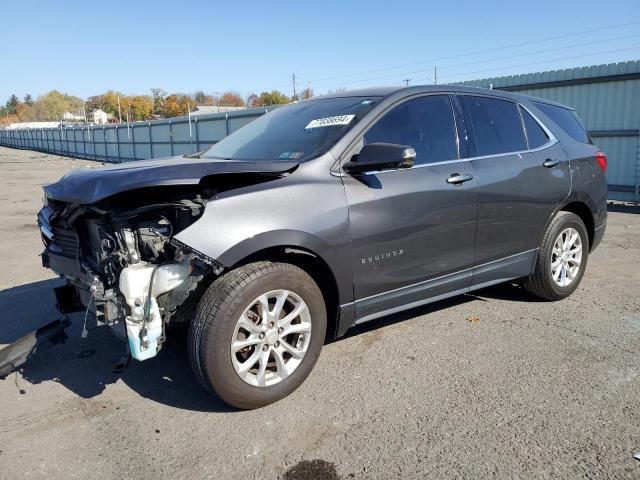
(330, 121)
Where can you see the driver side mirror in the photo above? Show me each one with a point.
(380, 156)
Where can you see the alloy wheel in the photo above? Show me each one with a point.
(271, 338)
(566, 257)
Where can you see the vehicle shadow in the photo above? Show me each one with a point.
(87, 366)
(503, 291)
(405, 315)
(25, 308)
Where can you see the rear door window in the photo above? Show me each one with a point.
(424, 123)
(567, 120)
(497, 127)
(536, 136)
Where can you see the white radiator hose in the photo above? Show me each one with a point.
(144, 330)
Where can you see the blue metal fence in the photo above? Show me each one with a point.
(132, 141)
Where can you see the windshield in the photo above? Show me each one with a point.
(299, 131)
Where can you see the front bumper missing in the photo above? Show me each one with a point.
(83, 290)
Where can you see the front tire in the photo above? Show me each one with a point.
(561, 260)
(257, 333)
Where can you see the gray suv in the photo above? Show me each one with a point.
(324, 214)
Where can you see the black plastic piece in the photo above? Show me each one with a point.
(67, 299)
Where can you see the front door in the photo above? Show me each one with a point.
(413, 230)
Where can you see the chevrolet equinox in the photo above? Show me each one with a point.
(321, 215)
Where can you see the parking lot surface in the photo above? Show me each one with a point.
(491, 384)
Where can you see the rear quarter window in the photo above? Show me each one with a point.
(567, 120)
(536, 136)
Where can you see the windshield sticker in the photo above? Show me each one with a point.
(291, 155)
(330, 121)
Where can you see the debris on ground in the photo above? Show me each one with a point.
(20, 390)
(17, 353)
(473, 319)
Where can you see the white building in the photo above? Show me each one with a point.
(73, 117)
(100, 117)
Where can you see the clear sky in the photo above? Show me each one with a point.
(87, 47)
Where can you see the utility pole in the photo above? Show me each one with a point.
(158, 95)
(435, 75)
(189, 116)
(119, 110)
(406, 82)
(294, 84)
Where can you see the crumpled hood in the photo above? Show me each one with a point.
(90, 185)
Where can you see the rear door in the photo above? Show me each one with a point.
(523, 177)
(413, 231)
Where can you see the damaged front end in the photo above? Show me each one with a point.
(110, 232)
(120, 260)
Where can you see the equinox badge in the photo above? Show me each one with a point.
(382, 256)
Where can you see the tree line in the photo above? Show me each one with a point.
(52, 105)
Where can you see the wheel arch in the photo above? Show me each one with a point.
(579, 208)
(330, 273)
(583, 211)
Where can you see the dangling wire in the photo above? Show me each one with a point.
(85, 332)
(147, 308)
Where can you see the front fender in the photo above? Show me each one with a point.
(283, 213)
(277, 238)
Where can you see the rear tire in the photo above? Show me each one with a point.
(221, 321)
(565, 244)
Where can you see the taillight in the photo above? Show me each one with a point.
(601, 158)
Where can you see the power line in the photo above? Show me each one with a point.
(477, 52)
(544, 61)
(547, 50)
(536, 52)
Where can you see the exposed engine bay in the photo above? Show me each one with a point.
(110, 233)
(120, 259)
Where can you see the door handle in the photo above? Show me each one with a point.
(459, 179)
(550, 163)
